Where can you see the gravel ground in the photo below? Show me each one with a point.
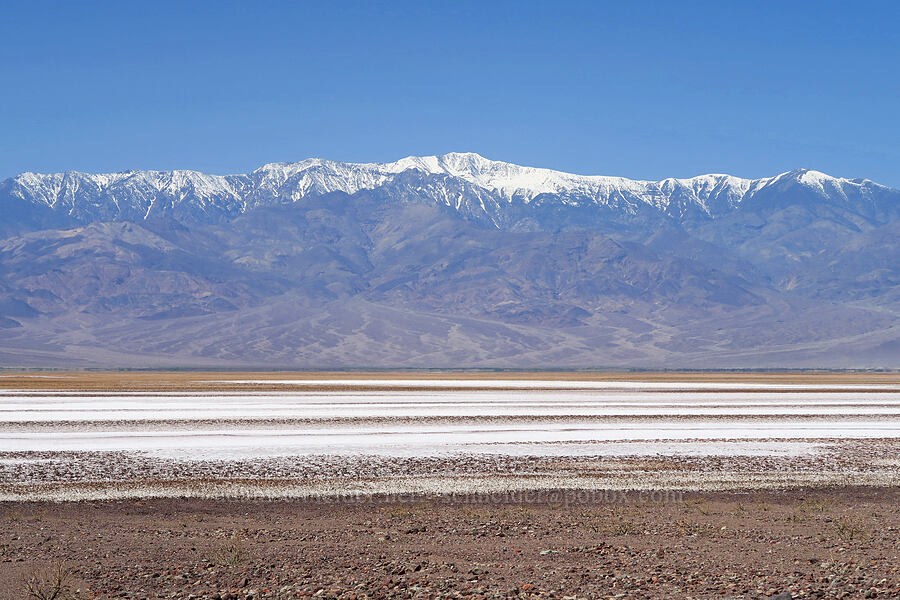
(822, 543)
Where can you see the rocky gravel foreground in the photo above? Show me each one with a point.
(824, 543)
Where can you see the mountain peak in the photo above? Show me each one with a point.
(466, 181)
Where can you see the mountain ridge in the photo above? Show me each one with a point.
(451, 261)
(143, 194)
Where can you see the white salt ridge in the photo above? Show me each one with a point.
(399, 405)
(398, 436)
(530, 384)
(686, 423)
(396, 440)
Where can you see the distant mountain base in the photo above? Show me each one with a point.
(286, 334)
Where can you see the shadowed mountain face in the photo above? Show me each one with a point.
(451, 261)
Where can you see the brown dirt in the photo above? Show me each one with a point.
(179, 381)
(826, 543)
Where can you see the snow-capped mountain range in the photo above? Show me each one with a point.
(467, 182)
(447, 261)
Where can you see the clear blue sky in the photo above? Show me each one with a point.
(638, 89)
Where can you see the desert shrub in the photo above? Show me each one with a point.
(692, 529)
(404, 512)
(619, 523)
(55, 583)
(232, 553)
(701, 506)
(814, 505)
(849, 527)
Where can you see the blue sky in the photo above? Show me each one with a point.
(637, 89)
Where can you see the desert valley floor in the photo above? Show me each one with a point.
(275, 485)
(85, 436)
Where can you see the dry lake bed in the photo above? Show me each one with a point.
(212, 486)
(83, 436)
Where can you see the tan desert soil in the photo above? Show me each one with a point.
(172, 381)
(823, 543)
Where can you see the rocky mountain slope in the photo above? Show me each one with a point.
(446, 261)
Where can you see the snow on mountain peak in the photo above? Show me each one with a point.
(454, 179)
(815, 178)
